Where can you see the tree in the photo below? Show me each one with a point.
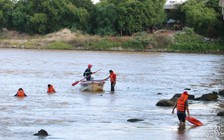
(125, 17)
(200, 17)
(155, 12)
(6, 6)
(106, 19)
(44, 16)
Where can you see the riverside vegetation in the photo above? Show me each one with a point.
(166, 41)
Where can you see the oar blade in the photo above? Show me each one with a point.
(75, 83)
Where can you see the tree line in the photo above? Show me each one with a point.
(108, 17)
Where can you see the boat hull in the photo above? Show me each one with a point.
(94, 85)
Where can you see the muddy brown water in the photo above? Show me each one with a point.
(71, 114)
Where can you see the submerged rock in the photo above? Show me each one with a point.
(221, 92)
(221, 105)
(165, 102)
(221, 114)
(135, 120)
(42, 132)
(209, 97)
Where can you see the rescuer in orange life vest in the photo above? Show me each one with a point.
(50, 89)
(113, 79)
(182, 106)
(20, 93)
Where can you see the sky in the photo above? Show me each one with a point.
(95, 1)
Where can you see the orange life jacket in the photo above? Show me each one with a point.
(181, 104)
(51, 89)
(20, 93)
(113, 77)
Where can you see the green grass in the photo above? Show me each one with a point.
(59, 46)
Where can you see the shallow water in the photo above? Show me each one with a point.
(71, 114)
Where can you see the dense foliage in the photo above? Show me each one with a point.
(108, 17)
(205, 16)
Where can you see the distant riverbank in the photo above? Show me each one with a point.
(161, 41)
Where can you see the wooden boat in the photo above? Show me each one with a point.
(93, 85)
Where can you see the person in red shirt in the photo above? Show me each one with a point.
(113, 78)
(20, 93)
(50, 89)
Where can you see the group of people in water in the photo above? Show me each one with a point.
(87, 74)
(181, 105)
(21, 93)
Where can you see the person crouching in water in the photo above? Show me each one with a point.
(182, 107)
(20, 93)
(50, 89)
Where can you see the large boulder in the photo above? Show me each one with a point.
(165, 102)
(221, 114)
(42, 132)
(176, 96)
(209, 97)
(221, 92)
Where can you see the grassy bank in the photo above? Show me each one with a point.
(186, 41)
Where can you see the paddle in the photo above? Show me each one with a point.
(76, 82)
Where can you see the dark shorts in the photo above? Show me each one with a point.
(181, 116)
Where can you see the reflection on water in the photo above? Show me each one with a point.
(71, 114)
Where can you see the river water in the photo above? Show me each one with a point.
(71, 114)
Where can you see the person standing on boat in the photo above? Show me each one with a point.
(88, 72)
(182, 107)
(113, 78)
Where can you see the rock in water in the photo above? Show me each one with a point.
(165, 102)
(221, 92)
(135, 120)
(209, 97)
(176, 96)
(220, 114)
(42, 132)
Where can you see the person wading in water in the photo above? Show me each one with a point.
(113, 79)
(182, 107)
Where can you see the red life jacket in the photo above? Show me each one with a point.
(113, 77)
(51, 89)
(181, 104)
(20, 93)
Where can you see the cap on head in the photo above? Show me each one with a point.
(89, 66)
(110, 71)
(185, 93)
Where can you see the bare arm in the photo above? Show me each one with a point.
(174, 107)
(188, 112)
